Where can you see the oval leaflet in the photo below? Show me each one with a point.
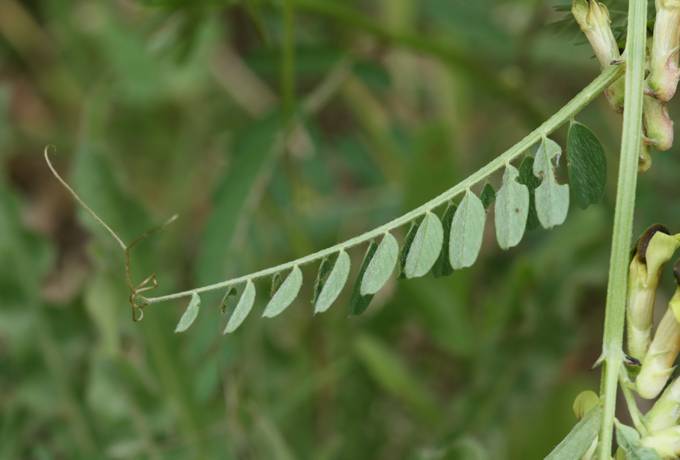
(381, 265)
(358, 302)
(245, 304)
(334, 283)
(190, 314)
(467, 230)
(511, 209)
(285, 294)
(552, 198)
(425, 247)
(587, 165)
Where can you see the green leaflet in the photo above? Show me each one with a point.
(467, 230)
(511, 209)
(358, 302)
(322, 274)
(488, 195)
(628, 439)
(405, 248)
(526, 177)
(243, 307)
(381, 265)
(587, 165)
(552, 199)
(285, 294)
(189, 314)
(579, 439)
(443, 265)
(334, 283)
(226, 298)
(425, 247)
(276, 283)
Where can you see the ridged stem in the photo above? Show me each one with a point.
(631, 142)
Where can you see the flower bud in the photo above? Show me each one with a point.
(664, 72)
(645, 160)
(666, 411)
(583, 402)
(615, 94)
(657, 366)
(658, 125)
(666, 443)
(593, 18)
(653, 250)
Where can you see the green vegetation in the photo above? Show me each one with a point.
(278, 128)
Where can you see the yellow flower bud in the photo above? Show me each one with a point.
(658, 125)
(664, 72)
(654, 249)
(645, 160)
(585, 401)
(593, 18)
(666, 443)
(657, 366)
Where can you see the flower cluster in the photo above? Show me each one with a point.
(662, 61)
(593, 18)
(655, 351)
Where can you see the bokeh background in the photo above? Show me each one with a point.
(159, 107)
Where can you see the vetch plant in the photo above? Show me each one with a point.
(445, 234)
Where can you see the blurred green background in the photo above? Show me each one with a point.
(168, 106)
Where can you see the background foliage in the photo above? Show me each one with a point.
(164, 106)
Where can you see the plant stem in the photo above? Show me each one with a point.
(567, 112)
(633, 409)
(631, 140)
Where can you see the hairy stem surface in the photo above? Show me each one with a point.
(617, 287)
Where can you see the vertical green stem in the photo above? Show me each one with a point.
(631, 140)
